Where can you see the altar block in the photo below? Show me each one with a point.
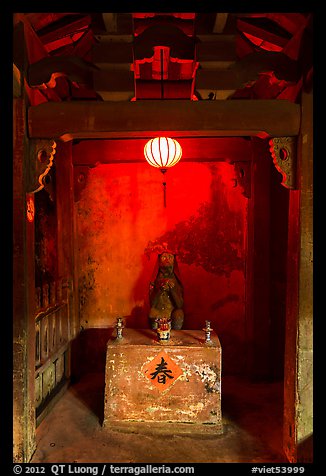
(166, 387)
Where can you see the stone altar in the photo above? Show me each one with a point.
(166, 387)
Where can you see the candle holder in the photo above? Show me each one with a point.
(119, 327)
(163, 329)
(207, 330)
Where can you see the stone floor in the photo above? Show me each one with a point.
(252, 422)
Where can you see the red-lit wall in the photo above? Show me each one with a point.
(121, 217)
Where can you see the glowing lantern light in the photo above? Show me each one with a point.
(163, 152)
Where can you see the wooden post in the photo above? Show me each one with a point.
(298, 384)
(258, 264)
(66, 228)
(23, 299)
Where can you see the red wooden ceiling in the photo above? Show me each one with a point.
(60, 50)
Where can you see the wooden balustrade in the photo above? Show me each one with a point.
(51, 342)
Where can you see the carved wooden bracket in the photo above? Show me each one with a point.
(243, 176)
(283, 151)
(49, 183)
(45, 72)
(41, 153)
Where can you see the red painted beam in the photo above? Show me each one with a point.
(199, 149)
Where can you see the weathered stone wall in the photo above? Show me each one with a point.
(120, 220)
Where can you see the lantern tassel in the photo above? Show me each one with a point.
(164, 187)
(164, 194)
(162, 75)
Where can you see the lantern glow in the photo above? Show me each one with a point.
(162, 152)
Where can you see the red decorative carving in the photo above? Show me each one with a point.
(172, 68)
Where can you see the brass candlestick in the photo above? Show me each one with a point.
(119, 326)
(207, 330)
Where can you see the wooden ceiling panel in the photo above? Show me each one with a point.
(215, 42)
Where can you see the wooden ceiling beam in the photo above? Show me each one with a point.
(120, 78)
(220, 22)
(291, 22)
(110, 49)
(42, 20)
(216, 48)
(66, 30)
(110, 22)
(47, 69)
(248, 69)
(97, 119)
(220, 79)
(114, 80)
(261, 33)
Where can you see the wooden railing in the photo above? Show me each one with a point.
(51, 342)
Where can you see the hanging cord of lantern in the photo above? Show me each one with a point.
(163, 153)
(162, 74)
